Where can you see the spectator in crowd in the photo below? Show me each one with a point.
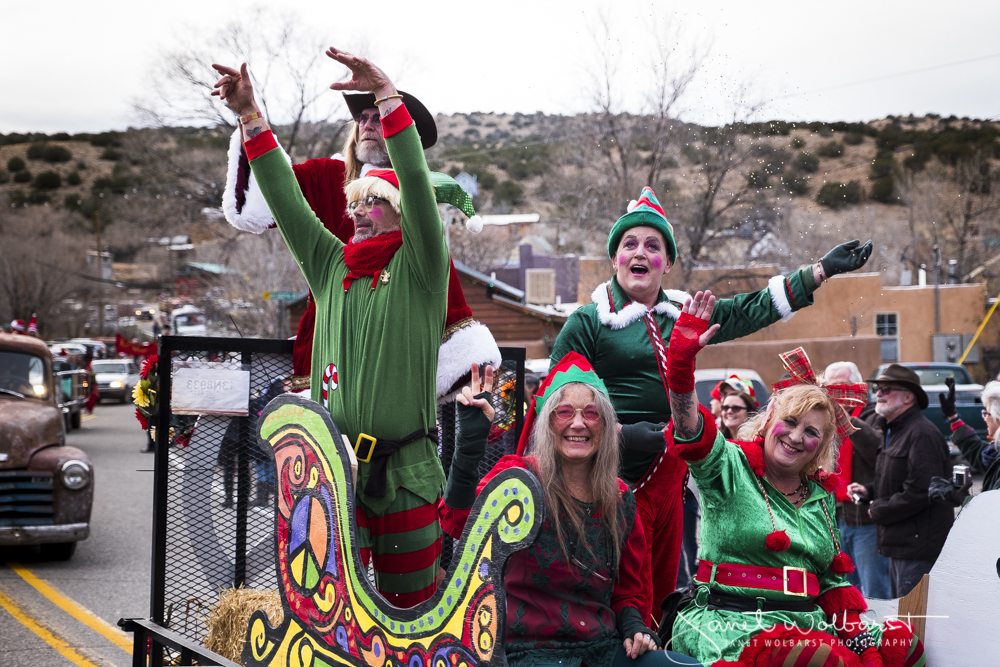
(769, 550)
(575, 594)
(856, 463)
(983, 455)
(911, 529)
(719, 392)
(737, 407)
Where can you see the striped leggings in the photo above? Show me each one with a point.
(404, 544)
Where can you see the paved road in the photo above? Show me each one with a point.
(65, 613)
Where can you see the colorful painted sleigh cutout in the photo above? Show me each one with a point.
(333, 614)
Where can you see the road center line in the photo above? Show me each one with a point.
(44, 633)
(77, 611)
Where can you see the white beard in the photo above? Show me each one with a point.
(373, 153)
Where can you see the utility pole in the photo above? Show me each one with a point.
(937, 289)
(100, 275)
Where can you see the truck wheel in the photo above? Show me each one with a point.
(75, 419)
(58, 550)
(126, 394)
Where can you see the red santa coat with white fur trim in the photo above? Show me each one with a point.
(322, 183)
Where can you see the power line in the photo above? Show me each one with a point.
(889, 76)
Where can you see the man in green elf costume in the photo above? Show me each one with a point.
(624, 334)
(380, 310)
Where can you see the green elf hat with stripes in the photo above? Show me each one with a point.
(448, 191)
(574, 367)
(644, 212)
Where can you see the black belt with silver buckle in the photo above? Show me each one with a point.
(741, 603)
(377, 452)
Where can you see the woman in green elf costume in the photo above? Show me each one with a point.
(624, 334)
(771, 586)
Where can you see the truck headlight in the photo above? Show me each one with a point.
(117, 384)
(75, 474)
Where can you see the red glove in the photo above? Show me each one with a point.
(682, 350)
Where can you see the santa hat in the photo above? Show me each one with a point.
(17, 326)
(385, 184)
(572, 368)
(33, 324)
(644, 212)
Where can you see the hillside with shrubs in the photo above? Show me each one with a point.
(768, 192)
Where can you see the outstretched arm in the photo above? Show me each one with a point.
(691, 333)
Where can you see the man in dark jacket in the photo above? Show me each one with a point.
(857, 464)
(911, 529)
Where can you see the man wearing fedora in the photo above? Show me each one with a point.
(911, 529)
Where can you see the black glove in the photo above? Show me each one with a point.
(643, 436)
(943, 490)
(846, 257)
(948, 402)
(470, 447)
(629, 622)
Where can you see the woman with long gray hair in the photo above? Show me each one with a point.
(574, 596)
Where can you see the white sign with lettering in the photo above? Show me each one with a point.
(210, 391)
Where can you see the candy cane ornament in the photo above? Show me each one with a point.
(330, 383)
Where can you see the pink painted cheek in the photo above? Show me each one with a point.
(622, 260)
(376, 214)
(780, 429)
(657, 262)
(810, 444)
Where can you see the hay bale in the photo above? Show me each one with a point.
(229, 619)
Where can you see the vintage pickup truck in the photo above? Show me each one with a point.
(46, 488)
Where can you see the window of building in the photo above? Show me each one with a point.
(887, 328)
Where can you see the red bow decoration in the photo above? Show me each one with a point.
(846, 396)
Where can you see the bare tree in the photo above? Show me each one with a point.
(721, 199)
(486, 251)
(286, 66)
(254, 264)
(40, 267)
(635, 145)
(954, 208)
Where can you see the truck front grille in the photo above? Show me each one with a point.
(25, 498)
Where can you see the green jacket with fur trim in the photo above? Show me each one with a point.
(617, 336)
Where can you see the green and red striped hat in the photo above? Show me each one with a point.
(644, 212)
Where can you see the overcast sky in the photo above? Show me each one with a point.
(78, 66)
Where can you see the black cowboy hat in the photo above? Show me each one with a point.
(422, 118)
(902, 375)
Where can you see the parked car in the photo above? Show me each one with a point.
(96, 348)
(705, 380)
(968, 396)
(46, 487)
(68, 349)
(72, 389)
(115, 378)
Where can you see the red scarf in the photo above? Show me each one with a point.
(369, 257)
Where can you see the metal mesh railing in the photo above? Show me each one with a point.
(214, 486)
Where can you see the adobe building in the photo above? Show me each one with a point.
(853, 317)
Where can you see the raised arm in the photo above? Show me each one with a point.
(423, 233)
(746, 313)
(308, 240)
(691, 333)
